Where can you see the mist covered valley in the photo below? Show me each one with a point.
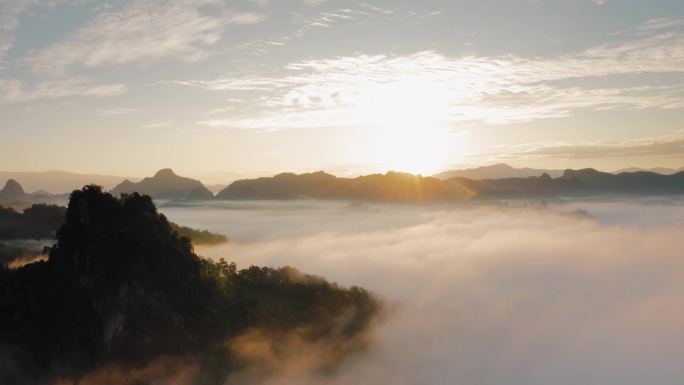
(564, 292)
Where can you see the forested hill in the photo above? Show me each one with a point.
(406, 188)
(121, 289)
(392, 187)
(165, 184)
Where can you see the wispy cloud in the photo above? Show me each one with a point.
(142, 31)
(10, 13)
(650, 147)
(12, 91)
(116, 111)
(428, 86)
(158, 125)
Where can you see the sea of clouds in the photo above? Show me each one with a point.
(482, 294)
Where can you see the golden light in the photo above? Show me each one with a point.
(405, 127)
(417, 150)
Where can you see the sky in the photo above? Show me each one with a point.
(221, 90)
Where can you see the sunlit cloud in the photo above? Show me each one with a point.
(669, 22)
(429, 86)
(117, 111)
(12, 91)
(142, 31)
(158, 125)
(664, 148)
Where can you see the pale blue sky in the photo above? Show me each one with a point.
(226, 89)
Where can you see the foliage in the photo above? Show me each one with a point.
(199, 237)
(122, 287)
(36, 222)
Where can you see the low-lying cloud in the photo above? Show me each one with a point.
(487, 295)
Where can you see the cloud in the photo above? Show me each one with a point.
(662, 147)
(488, 295)
(15, 91)
(389, 89)
(158, 125)
(142, 31)
(10, 12)
(117, 111)
(599, 2)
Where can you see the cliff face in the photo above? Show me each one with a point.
(165, 184)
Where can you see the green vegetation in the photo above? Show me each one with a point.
(122, 288)
(39, 221)
(199, 237)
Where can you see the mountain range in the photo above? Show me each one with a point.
(497, 171)
(406, 188)
(396, 187)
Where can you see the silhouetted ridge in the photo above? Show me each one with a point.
(397, 187)
(165, 173)
(390, 187)
(165, 184)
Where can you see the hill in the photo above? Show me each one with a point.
(574, 183)
(394, 187)
(497, 171)
(657, 170)
(61, 182)
(122, 292)
(390, 187)
(165, 184)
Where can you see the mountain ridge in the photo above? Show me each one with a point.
(165, 184)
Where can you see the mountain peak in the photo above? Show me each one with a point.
(165, 173)
(13, 188)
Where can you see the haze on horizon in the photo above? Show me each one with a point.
(221, 90)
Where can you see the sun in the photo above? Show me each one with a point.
(417, 150)
(406, 127)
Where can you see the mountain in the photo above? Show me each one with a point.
(61, 182)
(573, 183)
(122, 292)
(658, 170)
(165, 184)
(390, 187)
(13, 191)
(395, 187)
(13, 195)
(497, 171)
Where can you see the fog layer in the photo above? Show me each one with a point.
(486, 295)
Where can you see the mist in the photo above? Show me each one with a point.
(482, 294)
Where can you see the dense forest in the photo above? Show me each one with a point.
(122, 289)
(40, 222)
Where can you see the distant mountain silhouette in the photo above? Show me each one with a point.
(13, 190)
(406, 188)
(658, 170)
(61, 182)
(390, 187)
(165, 184)
(574, 183)
(497, 171)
